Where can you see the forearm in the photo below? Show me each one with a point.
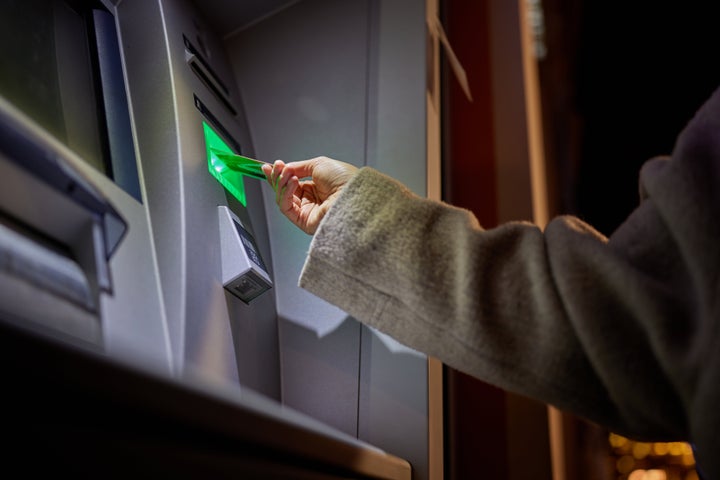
(488, 302)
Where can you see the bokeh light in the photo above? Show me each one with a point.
(651, 460)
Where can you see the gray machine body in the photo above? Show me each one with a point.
(282, 80)
(345, 80)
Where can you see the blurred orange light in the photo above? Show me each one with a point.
(654, 474)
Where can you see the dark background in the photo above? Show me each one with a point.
(619, 82)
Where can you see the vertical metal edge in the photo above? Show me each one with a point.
(436, 460)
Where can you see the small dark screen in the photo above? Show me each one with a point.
(46, 71)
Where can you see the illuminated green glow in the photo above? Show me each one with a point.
(245, 165)
(230, 178)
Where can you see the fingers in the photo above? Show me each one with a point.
(301, 168)
(279, 170)
(285, 197)
(305, 202)
(285, 185)
(272, 172)
(280, 173)
(267, 170)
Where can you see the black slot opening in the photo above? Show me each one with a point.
(209, 77)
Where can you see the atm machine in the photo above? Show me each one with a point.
(127, 235)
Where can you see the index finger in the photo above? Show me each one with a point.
(301, 168)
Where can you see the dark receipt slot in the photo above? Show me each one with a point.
(58, 231)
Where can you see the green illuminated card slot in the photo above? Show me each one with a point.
(227, 167)
(244, 165)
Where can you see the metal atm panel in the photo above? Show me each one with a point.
(345, 80)
(171, 312)
(317, 77)
(129, 316)
(305, 94)
(212, 333)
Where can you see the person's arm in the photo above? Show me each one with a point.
(622, 331)
(560, 316)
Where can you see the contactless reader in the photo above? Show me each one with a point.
(244, 273)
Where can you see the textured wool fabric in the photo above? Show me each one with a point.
(621, 330)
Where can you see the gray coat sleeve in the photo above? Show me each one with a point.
(622, 331)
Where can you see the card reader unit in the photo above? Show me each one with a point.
(244, 273)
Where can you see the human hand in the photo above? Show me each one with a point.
(305, 202)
